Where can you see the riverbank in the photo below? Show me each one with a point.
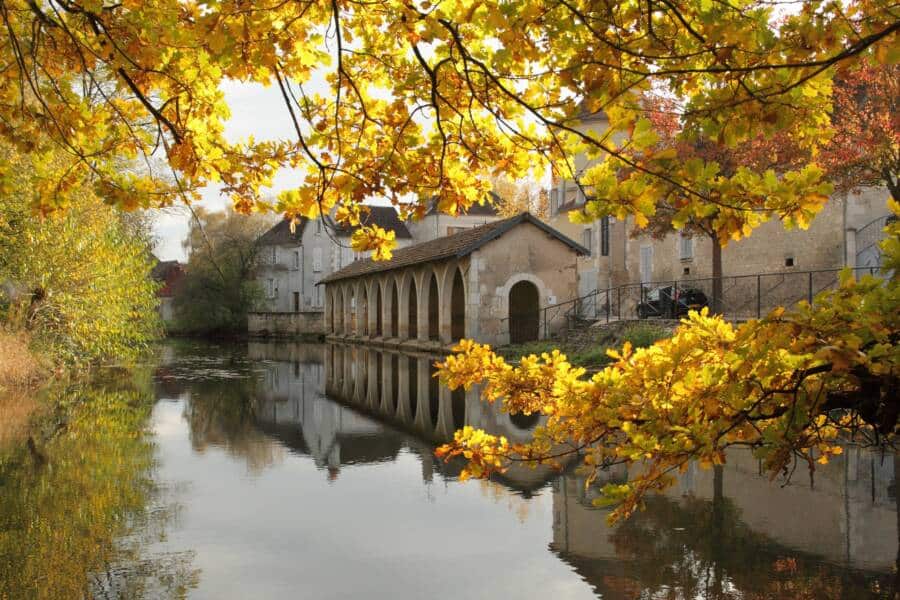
(587, 347)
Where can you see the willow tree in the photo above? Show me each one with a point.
(424, 99)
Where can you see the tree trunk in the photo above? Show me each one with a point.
(716, 300)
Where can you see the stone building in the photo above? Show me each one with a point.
(779, 265)
(291, 263)
(488, 283)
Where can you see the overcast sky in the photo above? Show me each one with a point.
(255, 110)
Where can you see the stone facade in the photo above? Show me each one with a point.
(468, 293)
(843, 234)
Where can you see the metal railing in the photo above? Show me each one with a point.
(741, 297)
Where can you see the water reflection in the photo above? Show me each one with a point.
(307, 471)
(79, 509)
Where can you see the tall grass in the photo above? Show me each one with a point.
(18, 370)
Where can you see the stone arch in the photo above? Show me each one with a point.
(433, 300)
(350, 310)
(337, 310)
(524, 312)
(362, 326)
(394, 329)
(378, 307)
(412, 310)
(457, 305)
(507, 289)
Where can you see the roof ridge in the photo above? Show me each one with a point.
(457, 245)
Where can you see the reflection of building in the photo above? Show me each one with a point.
(848, 517)
(488, 283)
(400, 389)
(290, 404)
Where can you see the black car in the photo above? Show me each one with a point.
(670, 302)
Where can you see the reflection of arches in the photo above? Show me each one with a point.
(523, 421)
(394, 392)
(413, 388)
(379, 379)
(395, 301)
(379, 323)
(458, 407)
(457, 307)
(434, 396)
(433, 308)
(524, 312)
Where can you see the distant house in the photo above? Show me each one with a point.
(436, 224)
(169, 273)
(290, 263)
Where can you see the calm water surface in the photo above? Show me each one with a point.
(306, 471)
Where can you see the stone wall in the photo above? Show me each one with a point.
(286, 324)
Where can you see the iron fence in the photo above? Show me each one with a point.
(737, 298)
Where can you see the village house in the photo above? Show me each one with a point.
(169, 274)
(488, 283)
(291, 263)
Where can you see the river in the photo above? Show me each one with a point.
(307, 471)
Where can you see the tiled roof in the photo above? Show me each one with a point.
(385, 217)
(456, 245)
(281, 233)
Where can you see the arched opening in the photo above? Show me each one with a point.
(338, 318)
(379, 325)
(523, 421)
(413, 387)
(413, 315)
(433, 309)
(395, 309)
(350, 324)
(457, 308)
(434, 396)
(524, 312)
(458, 406)
(363, 325)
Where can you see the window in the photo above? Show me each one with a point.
(318, 295)
(604, 236)
(318, 226)
(789, 261)
(554, 202)
(273, 255)
(296, 259)
(686, 246)
(586, 236)
(271, 290)
(296, 301)
(317, 260)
